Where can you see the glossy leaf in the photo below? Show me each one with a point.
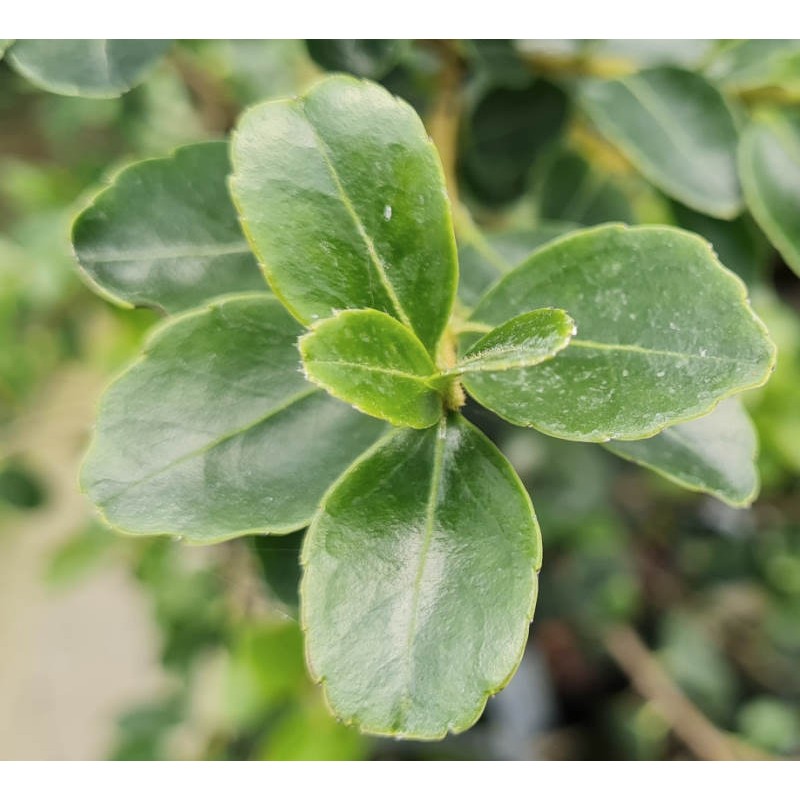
(568, 188)
(714, 454)
(676, 128)
(165, 233)
(374, 362)
(342, 196)
(86, 67)
(769, 163)
(522, 342)
(505, 132)
(664, 334)
(484, 258)
(367, 58)
(420, 582)
(215, 433)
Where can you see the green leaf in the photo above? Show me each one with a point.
(750, 64)
(214, 432)
(265, 671)
(165, 233)
(279, 560)
(714, 454)
(651, 52)
(483, 258)
(420, 581)
(568, 188)
(306, 732)
(367, 58)
(676, 128)
(505, 132)
(86, 67)
(664, 334)
(374, 362)
(523, 341)
(342, 195)
(4, 45)
(769, 164)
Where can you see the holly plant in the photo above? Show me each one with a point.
(333, 399)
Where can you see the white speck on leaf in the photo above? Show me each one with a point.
(387, 213)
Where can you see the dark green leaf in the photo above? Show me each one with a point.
(484, 258)
(769, 164)
(524, 341)
(342, 196)
(367, 58)
(499, 61)
(215, 433)
(739, 243)
(165, 233)
(676, 128)
(664, 334)
(714, 454)
(506, 131)
(420, 582)
(279, 559)
(371, 360)
(86, 67)
(568, 188)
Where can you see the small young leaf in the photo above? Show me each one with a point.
(676, 128)
(664, 334)
(215, 433)
(420, 581)
(523, 341)
(569, 188)
(86, 67)
(769, 164)
(165, 233)
(342, 195)
(714, 454)
(371, 360)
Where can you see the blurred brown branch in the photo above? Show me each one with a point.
(688, 723)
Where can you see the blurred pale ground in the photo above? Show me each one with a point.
(72, 658)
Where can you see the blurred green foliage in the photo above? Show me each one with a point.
(713, 592)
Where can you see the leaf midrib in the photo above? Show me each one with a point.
(374, 368)
(168, 254)
(208, 446)
(374, 257)
(430, 511)
(590, 344)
